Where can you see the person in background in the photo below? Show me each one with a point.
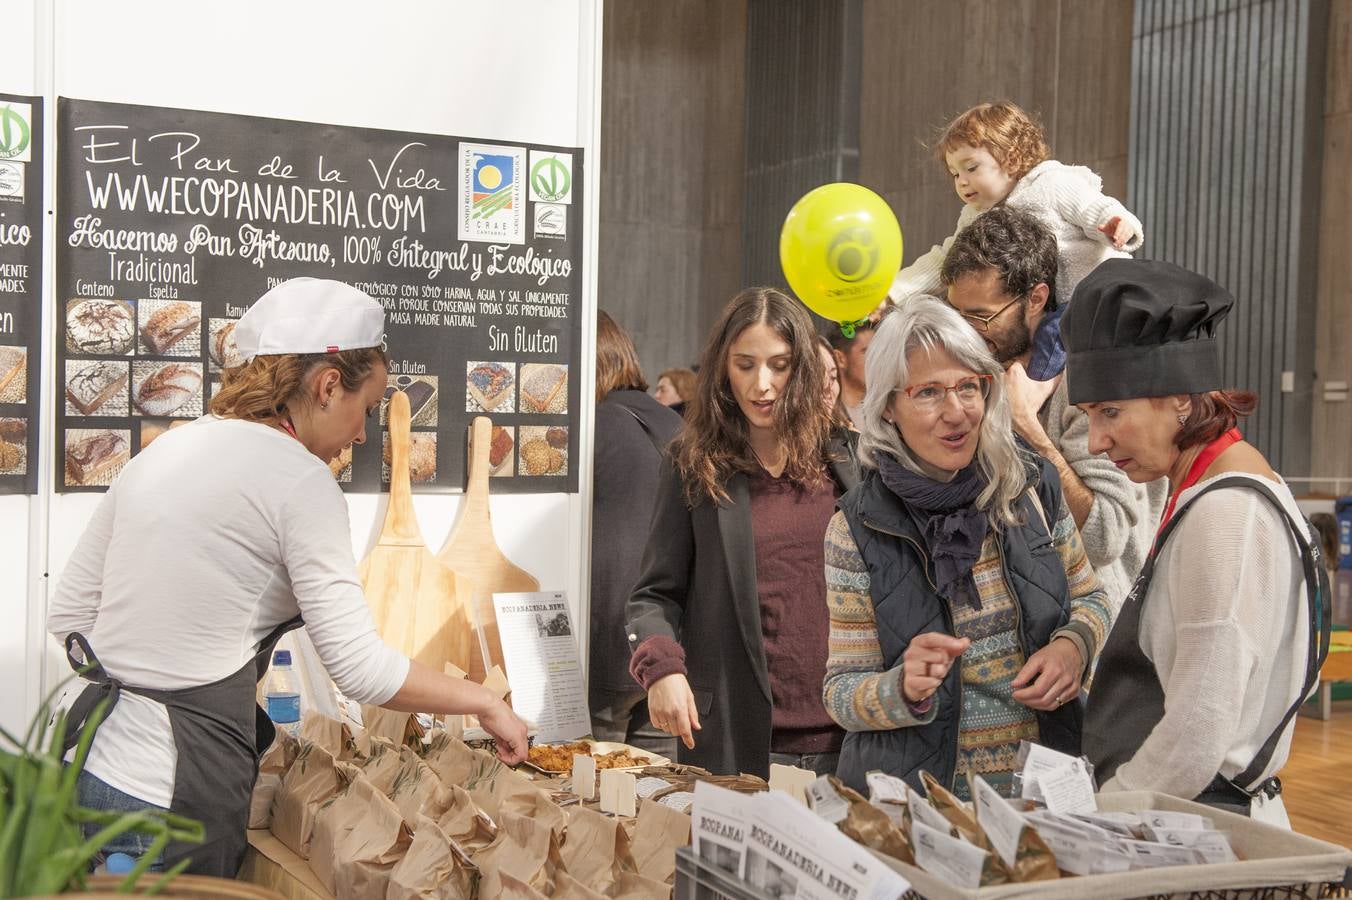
(183, 583)
(964, 614)
(1222, 637)
(726, 620)
(850, 353)
(839, 418)
(1000, 273)
(632, 433)
(997, 155)
(674, 388)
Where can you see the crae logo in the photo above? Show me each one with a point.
(551, 179)
(15, 132)
(852, 255)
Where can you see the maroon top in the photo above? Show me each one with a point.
(788, 526)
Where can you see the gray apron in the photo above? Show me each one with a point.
(1127, 700)
(219, 732)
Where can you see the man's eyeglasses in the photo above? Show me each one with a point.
(970, 391)
(983, 323)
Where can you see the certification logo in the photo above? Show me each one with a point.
(11, 180)
(492, 193)
(551, 221)
(551, 176)
(16, 131)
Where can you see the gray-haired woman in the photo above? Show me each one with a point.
(964, 612)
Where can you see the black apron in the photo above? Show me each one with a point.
(219, 732)
(1127, 700)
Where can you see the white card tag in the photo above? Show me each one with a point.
(1068, 789)
(1154, 856)
(584, 776)
(1213, 845)
(1001, 822)
(1156, 818)
(882, 786)
(948, 857)
(825, 800)
(922, 812)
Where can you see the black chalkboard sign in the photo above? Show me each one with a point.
(21, 164)
(171, 222)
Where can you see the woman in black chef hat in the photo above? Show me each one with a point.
(1221, 638)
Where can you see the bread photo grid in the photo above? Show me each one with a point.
(141, 361)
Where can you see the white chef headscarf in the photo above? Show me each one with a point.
(310, 315)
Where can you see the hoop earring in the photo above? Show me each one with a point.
(1182, 420)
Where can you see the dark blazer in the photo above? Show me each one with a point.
(699, 587)
(630, 427)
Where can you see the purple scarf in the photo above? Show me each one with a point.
(952, 526)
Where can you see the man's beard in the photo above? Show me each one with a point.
(1011, 342)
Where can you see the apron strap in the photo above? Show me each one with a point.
(1318, 595)
(103, 686)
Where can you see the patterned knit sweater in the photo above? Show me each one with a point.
(863, 696)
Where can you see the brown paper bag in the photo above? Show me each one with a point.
(334, 816)
(508, 791)
(566, 887)
(954, 810)
(414, 783)
(271, 767)
(455, 762)
(358, 839)
(632, 886)
(382, 762)
(310, 781)
(521, 849)
(589, 847)
(396, 727)
(434, 868)
(332, 735)
(868, 825)
(504, 886)
(658, 832)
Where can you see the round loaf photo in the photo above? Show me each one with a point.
(221, 349)
(422, 457)
(172, 390)
(97, 387)
(13, 446)
(99, 327)
(13, 374)
(94, 456)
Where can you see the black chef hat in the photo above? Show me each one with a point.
(1142, 328)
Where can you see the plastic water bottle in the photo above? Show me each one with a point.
(283, 695)
(116, 864)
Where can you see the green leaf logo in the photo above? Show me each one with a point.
(551, 179)
(14, 133)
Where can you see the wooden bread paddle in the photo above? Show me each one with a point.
(473, 553)
(419, 604)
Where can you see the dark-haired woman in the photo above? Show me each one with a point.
(181, 584)
(727, 622)
(632, 432)
(1221, 638)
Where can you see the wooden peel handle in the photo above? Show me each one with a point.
(400, 521)
(480, 445)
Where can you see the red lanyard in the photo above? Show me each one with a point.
(1200, 465)
(285, 425)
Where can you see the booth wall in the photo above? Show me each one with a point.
(522, 70)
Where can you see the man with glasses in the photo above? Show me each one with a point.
(1000, 274)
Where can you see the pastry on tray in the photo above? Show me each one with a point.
(94, 457)
(99, 326)
(169, 324)
(544, 388)
(489, 384)
(559, 757)
(168, 389)
(95, 384)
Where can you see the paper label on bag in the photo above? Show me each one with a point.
(882, 786)
(922, 812)
(1156, 818)
(679, 801)
(1001, 822)
(1213, 845)
(948, 857)
(1121, 824)
(825, 801)
(1153, 856)
(1040, 761)
(650, 785)
(1068, 789)
(895, 809)
(1077, 850)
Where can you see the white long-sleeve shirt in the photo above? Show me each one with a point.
(1069, 200)
(1226, 624)
(210, 538)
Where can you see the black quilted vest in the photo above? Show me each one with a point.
(906, 604)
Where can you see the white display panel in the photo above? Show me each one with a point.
(510, 70)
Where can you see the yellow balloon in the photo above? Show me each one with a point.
(840, 248)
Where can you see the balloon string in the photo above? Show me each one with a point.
(848, 328)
